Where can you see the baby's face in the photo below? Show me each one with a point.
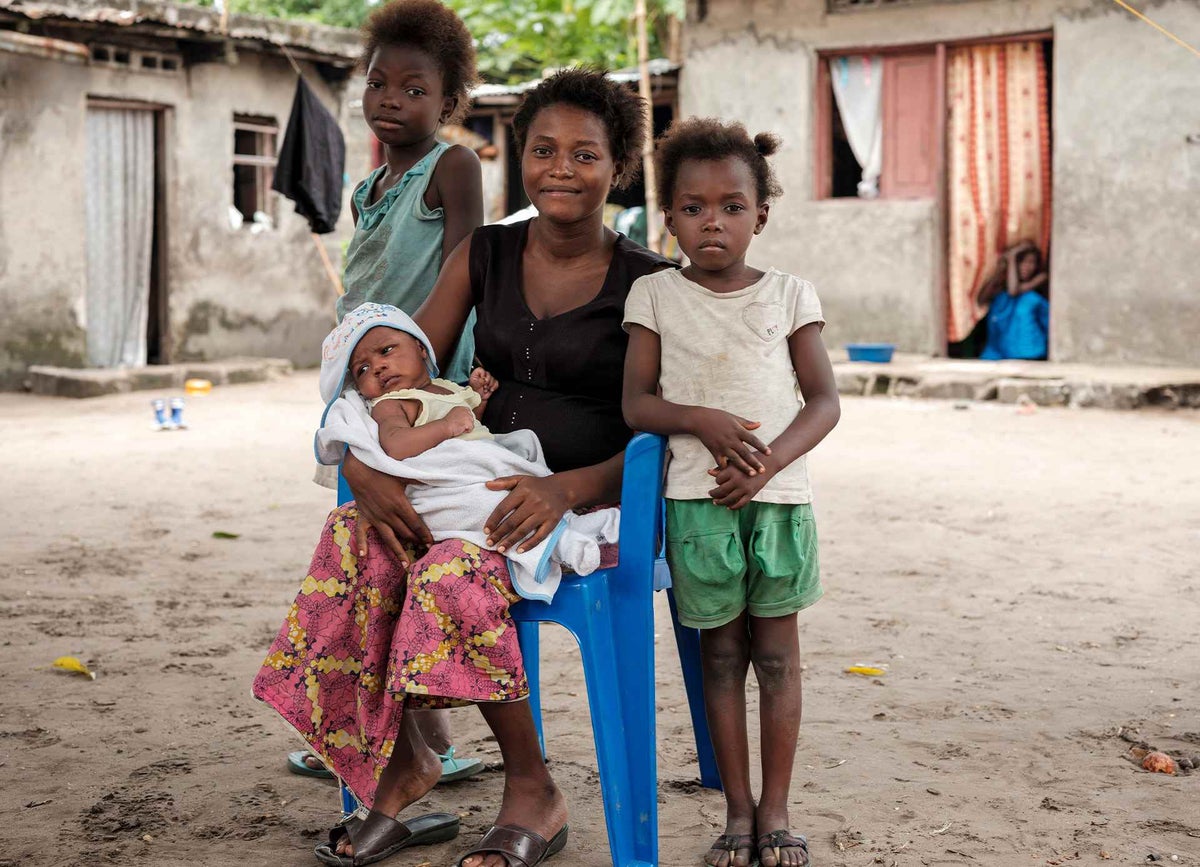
(387, 360)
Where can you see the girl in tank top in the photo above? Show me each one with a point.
(427, 196)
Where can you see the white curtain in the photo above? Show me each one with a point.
(858, 89)
(119, 204)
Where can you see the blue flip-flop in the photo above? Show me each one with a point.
(455, 769)
(298, 765)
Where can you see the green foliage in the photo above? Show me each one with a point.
(517, 39)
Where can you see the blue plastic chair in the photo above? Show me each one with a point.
(611, 615)
(618, 659)
(687, 640)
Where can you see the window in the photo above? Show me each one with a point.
(903, 115)
(253, 167)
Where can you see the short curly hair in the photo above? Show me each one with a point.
(433, 28)
(622, 111)
(708, 138)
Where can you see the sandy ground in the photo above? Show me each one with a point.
(1030, 583)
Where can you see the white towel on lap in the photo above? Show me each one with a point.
(452, 497)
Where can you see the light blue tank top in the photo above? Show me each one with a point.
(396, 253)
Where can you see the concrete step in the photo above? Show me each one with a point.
(94, 382)
(1039, 382)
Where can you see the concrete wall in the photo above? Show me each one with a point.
(230, 292)
(1125, 254)
(1126, 263)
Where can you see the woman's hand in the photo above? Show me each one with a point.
(532, 509)
(383, 504)
(728, 438)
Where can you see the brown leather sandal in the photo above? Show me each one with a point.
(734, 843)
(379, 836)
(522, 847)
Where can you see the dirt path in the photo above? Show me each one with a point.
(1029, 582)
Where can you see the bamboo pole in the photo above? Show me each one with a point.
(334, 280)
(653, 231)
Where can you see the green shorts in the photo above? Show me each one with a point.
(761, 558)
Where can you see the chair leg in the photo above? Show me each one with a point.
(613, 743)
(527, 637)
(350, 803)
(688, 642)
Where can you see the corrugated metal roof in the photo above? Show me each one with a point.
(335, 43)
(658, 66)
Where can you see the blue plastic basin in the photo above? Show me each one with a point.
(881, 353)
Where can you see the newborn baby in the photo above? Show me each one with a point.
(402, 420)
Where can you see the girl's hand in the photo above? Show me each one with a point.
(734, 488)
(530, 512)
(483, 383)
(459, 420)
(383, 504)
(727, 437)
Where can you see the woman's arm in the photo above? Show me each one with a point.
(445, 311)
(726, 436)
(812, 423)
(1035, 282)
(535, 505)
(459, 182)
(383, 504)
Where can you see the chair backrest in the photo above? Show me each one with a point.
(641, 501)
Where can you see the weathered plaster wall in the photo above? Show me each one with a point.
(1125, 249)
(1126, 265)
(230, 292)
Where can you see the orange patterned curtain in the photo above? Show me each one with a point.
(999, 135)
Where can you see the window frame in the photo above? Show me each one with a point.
(823, 108)
(263, 160)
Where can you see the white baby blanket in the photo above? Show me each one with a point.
(452, 498)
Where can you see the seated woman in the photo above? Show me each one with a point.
(1018, 320)
(379, 630)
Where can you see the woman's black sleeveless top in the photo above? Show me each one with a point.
(561, 376)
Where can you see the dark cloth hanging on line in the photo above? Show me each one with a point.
(312, 161)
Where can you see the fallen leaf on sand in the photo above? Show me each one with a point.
(73, 665)
(223, 534)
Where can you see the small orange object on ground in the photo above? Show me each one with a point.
(1160, 763)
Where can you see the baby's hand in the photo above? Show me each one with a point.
(460, 420)
(483, 383)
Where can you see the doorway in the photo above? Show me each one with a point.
(998, 158)
(125, 222)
